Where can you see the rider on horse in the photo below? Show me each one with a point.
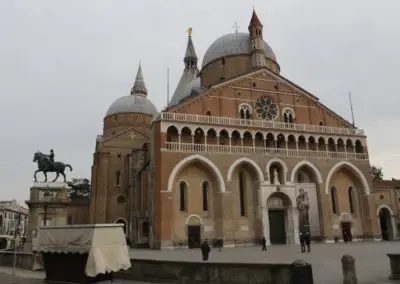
(51, 157)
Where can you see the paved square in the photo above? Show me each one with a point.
(372, 264)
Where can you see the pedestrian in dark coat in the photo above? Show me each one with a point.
(205, 250)
(302, 242)
(263, 244)
(308, 241)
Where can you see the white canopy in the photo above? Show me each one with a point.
(105, 245)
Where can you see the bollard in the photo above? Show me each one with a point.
(302, 272)
(349, 269)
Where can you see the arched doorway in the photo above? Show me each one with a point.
(385, 221)
(193, 224)
(346, 225)
(123, 222)
(279, 218)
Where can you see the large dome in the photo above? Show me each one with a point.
(132, 104)
(232, 44)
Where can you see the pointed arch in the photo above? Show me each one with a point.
(352, 167)
(305, 163)
(245, 160)
(201, 159)
(277, 160)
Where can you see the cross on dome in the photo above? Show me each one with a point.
(236, 27)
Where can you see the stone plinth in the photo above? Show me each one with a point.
(394, 266)
(299, 272)
(48, 205)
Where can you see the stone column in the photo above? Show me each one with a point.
(394, 227)
(295, 214)
(265, 222)
(264, 215)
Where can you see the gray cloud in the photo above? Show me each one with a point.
(62, 63)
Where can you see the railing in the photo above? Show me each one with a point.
(275, 152)
(193, 118)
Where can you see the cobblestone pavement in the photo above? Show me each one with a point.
(372, 264)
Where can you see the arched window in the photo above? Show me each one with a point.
(117, 177)
(245, 111)
(182, 196)
(351, 199)
(205, 196)
(241, 194)
(288, 116)
(334, 200)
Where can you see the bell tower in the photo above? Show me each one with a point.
(257, 43)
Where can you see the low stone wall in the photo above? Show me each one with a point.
(157, 271)
(24, 260)
(212, 272)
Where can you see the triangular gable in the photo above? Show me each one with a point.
(276, 76)
(128, 138)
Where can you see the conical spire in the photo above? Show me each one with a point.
(189, 74)
(254, 19)
(190, 55)
(139, 88)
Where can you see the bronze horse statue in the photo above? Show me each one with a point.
(46, 166)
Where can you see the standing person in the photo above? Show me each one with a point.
(302, 242)
(263, 244)
(205, 250)
(220, 244)
(308, 241)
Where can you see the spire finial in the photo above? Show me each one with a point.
(254, 18)
(189, 31)
(139, 88)
(236, 27)
(190, 58)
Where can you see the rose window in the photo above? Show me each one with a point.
(266, 109)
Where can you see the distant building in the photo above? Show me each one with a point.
(13, 216)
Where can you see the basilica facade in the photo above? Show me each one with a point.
(240, 153)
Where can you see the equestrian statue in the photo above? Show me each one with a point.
(46, 164)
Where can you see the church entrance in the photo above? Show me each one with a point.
(385, 220)
(194, 236)
(280, 219)
(346, 231)
(277, 232)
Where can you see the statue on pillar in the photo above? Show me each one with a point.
(303, 206)
(47, 164)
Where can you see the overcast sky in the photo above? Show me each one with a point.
(62, 63)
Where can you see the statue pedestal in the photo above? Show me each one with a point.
(48, 206)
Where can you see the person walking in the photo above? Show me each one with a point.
(308, 241)
(302, 242)
(263, 244)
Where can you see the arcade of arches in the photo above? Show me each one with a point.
(240, 201)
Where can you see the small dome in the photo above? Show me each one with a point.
(232, 44)
(132, 104)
